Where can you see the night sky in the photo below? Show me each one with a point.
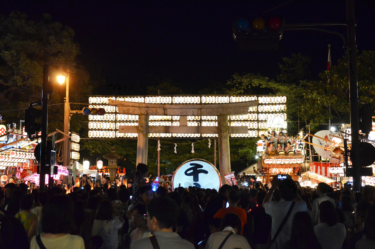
(190, 42)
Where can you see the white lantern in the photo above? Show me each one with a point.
(86, 164)
(99, 164)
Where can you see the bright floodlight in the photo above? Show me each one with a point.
(86, 164)
(256, 157)
(333, 128)
(61, 79)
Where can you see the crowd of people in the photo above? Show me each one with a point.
(279, 215)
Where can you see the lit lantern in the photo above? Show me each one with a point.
(99, 164)
(86, 164)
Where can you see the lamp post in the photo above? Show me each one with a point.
(66, 155)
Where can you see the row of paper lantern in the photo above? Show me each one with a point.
(252, 125)
(250, 133)
(8, 164)
(105, 117)
(107, 108)
(158, 100)
(163, 118)
(266, 116)
(271, 108)
(16, 154)
(251, 116)
(190, 99)
(268, 100)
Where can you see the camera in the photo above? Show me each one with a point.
(281, 177)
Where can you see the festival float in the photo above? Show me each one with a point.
(279, 153)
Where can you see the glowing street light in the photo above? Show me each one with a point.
(99, 164)
(333, 128)
(61, 79)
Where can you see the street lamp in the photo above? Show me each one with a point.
(61, 79)
(66, 155)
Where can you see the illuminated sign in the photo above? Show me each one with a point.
(197, 173)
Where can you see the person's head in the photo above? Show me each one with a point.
(112, 194)
(253, 194)
(288, 143)
(138, 213)
(279, 145)
(234, 197)
(146, 193)
(124, 195)
(57, 215)
(162, 213)
(214, 225)
(27, 202)
(328, 213)
(302, 233)
(141, 171)
(360, 213)
(23, 187)
(224, 190)
(322, 188)
(108, 180)
(346, 202)
(9, 189)
(288, 189)
(270, 145)
(297, 136)
(262, 136)
(93, 202)
(368, 193)
(280, 134)
(105, 211)
(231, 220)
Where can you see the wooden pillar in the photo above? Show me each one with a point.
(142, 143)
(224, 148)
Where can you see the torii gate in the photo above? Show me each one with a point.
(222, 111)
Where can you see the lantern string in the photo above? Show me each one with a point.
(192, 148)
(175, 148)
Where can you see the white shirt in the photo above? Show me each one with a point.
(315, 207)
(278, 210)
(234, 241)
(330, 237)
(109, 233)
(365, 243)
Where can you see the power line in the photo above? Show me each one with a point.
(278, 6)
(26, 108)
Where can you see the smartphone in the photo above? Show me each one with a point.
(227, 205)
(281, 177)
(82, 187)
(131, 197)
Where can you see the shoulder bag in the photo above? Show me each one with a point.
(40, 243)
(283, 222)
(97, 239)
(154, 242)
(225, 240)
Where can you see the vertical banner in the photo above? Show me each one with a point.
(231, 178)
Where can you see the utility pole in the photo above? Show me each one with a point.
(43, 147)
(66, 155)
(353, 87)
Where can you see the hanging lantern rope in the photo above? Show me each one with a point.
(175, 148)
(192, 148)
(159, 145)
(209, 143)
